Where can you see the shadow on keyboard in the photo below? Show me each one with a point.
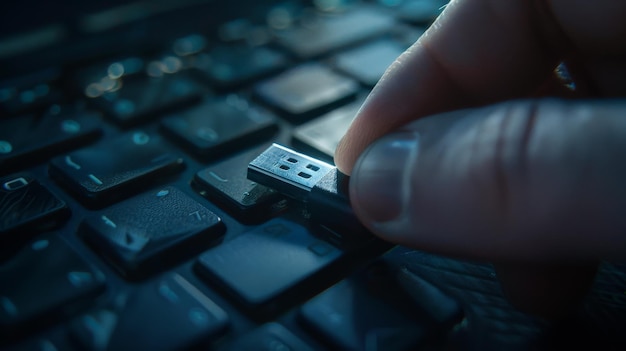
(127, 221)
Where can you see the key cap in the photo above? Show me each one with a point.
(132, 91)
(368, 63)
(38, 345)
(26, 140)
(306, 91)
(104, 77)
(444, 309)
(106, 172)
(43, 283)
(30, 92)
(355, 316)
(147, 97)
(266, 263)
(407, 35)
(152, 231)
(167, 314)
(421, 12)
(27, 207)
(319, 137)
(231, 66)
(227, 184)
(327, 33)
(268, 337)
(217, 128)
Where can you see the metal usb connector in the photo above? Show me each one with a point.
(287, 171)
(320, 185)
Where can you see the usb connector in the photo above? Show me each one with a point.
(287, 171)
(317, 183)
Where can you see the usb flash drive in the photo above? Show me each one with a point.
(320, 185)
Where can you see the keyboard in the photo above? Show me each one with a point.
(127, 221)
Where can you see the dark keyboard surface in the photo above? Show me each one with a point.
(127, 221)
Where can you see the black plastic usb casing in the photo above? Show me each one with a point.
(318, 184)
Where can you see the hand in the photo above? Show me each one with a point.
(457, 155)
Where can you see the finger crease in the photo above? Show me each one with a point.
(463, 95)
(524, 144)
(500, 176)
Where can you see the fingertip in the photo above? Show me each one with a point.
(342, 158)
(378, 187)
(364, 130)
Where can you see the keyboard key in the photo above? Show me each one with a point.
(152, 231)
(26, 140)
(407, 35)
(268, 262)
(306, 91)
(27, 207)
(227, 184)
(268, 337)
(167, 314)
(217, 128)
(320, 136)
(444, 309)
(229, 66)
(42, 283)
(421, 12)
(327, 33)
(30, 92)
(368, 63)
(145, 98)
(351, 318)
(189, 45)
(38, 345)
(132, 91)
(107, 172)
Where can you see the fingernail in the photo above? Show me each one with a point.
(379, 181)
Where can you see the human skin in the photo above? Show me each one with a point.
(466, 156)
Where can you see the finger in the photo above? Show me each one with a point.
(480, 52)
(524, 180)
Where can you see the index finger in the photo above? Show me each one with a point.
(475, 53)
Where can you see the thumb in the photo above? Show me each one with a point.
(523, 180)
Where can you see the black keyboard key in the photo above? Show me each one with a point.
(167, 314)
(227, 184)
(422, 12)
(307, 90)
(130, 100)
(217, 128)
(152, 231)
(186, 47)
(27, 207)
(38, 345)
(327, 33)
(267, 262)
(30, 92)
(320, 136)
(229, 66)
(42, 283)
(444, 309)
(106, 77)
(26, 140)
(368, 63)
(106, 172)
(268, 337)
(351, 318)
(150, 96)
